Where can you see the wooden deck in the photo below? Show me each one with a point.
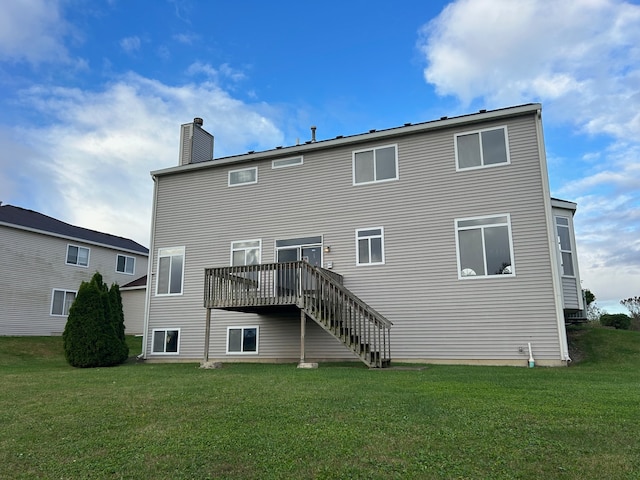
(318, 293)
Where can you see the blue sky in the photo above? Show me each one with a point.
(92, 94)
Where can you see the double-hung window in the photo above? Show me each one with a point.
(166, 341)
(77, 255)
(375, 165)
(125, 264)
(482, 148)
(244, 176)
(61, 302)
(564, 243)
(242, 340)
(370, 246)
(170, 271)
(484, 246)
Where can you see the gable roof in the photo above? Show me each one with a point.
(36, 222)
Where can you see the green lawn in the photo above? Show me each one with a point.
(176, 421)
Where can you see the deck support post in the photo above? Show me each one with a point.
(303, 327)
(207, 334)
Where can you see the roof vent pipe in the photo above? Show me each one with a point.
(313, 134)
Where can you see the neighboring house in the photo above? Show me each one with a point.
(44, 261)
(433, 242)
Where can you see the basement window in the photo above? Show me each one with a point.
(242, 340)
(166, 341)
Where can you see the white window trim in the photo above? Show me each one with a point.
(479, 132)
(274, 163)
(125, 264)
(358, 264)
(157, 274)
(485, 276)
(241, 170)
(259, 247)
(53, 291)
(153, 336)
(66, 259)
(353, 165)
(243, 328)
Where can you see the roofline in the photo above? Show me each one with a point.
(76, 239)
(407, 129)
(566, 204)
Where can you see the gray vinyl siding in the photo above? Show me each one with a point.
(570, 292)
(133, 308)
(33, 265)
(436, 316)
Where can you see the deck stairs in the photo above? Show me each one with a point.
(319, 293)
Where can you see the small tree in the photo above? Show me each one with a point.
(91, 336)
(593, 311)
(633, 305)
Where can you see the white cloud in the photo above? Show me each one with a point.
(130, 44)
(33, 31)
(581, 58)
(100, 146)
(224, 71)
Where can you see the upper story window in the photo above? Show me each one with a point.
(286, 162)
(77, 256)
(125, 264)
(170, 271)
(244, 176)
(484, 246)
(61, 302)
(370, 246)
(482, 148)
(564, 243)
(246, 252)
(375, 165)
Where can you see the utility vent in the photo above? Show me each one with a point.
(196, 144)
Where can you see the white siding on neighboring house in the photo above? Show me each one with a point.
(34, 265)
(133, 299)
(436, 315)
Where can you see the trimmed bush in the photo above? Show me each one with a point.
(94, 333)
(620, 321)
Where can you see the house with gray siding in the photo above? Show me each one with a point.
(433, 242)
(44, 261)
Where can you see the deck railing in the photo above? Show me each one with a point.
(318, 292)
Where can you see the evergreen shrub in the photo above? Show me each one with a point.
(94, 333)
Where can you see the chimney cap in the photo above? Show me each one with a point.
(198, 121)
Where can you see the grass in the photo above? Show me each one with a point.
(156, 421)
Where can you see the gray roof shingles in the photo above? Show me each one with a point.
(21, 217)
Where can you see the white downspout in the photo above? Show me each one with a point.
(145, 333)
(553, 248)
